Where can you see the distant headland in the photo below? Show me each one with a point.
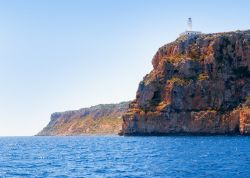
(99, 119)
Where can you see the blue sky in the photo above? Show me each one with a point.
(58, 55)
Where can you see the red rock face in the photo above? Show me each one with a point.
(199, 85)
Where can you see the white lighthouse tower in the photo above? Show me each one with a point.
(189, 24)
(190, 31)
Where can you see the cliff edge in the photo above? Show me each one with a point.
(200, 84)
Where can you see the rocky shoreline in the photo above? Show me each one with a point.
(199, 85)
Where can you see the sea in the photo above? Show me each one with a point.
(117, 156)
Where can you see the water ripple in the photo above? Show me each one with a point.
(113, 156)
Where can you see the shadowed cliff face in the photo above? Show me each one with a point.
(199, 85)
(100, 119)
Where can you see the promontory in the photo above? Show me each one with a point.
(200, 84)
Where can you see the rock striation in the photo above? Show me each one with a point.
(200, 84)
(100, 119)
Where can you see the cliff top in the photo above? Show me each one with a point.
(198, 47)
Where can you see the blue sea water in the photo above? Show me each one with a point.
(114, 156)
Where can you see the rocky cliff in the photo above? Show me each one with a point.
(200, 84)
(100, 119)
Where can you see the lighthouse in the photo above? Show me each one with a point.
(189, 23)
(189, 31)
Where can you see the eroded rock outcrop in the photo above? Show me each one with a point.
(100, 119)
(200, 84)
